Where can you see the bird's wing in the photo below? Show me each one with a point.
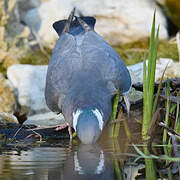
(101, 55)
(64, 61)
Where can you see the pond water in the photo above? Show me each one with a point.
(62, 160)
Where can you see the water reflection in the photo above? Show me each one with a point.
(88, 162)
(42, 163)
(32, 164)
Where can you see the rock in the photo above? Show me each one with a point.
(136, 72)
(160, 67)
(45, 119)
(40, 19)
(13, 35)
(7, 118)
(126, 19)
(117, 21)
(7, 98)
(172, 71)
(134, 95)
(24, 6)
(29, 82)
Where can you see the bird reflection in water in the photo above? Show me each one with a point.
(87, 162)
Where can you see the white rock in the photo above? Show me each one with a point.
(40, 19)
(29, 81)
(125, 20)
(161, 66)
(117, 21)
(24, 6)
(45, 119)
(136, 72)
(172, 71)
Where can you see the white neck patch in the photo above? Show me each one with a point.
(75, 117)
(96, 112)
(99, 117)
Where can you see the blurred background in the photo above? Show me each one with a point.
(26, 25)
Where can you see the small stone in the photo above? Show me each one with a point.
(8, 118)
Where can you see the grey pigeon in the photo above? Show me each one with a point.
(83, 75)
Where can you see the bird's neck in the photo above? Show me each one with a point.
(86, 104)
(71, 106)
(87, 99)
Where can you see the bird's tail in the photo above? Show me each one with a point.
(75, 26)
(69, 21)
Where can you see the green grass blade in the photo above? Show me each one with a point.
(145, 110)
(158, 91)
(151, 46)
(167, 114)
(115, 105)
(162, 157)
(113, 115)
(166, 149)
(153, 69)
(148, 95)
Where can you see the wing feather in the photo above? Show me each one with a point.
(107, 60)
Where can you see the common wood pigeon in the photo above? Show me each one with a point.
(83, 75)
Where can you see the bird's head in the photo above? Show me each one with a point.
(88, 124)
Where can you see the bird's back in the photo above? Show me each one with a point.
(80, 54)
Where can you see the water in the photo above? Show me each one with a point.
(62, 160)
(36, 163)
